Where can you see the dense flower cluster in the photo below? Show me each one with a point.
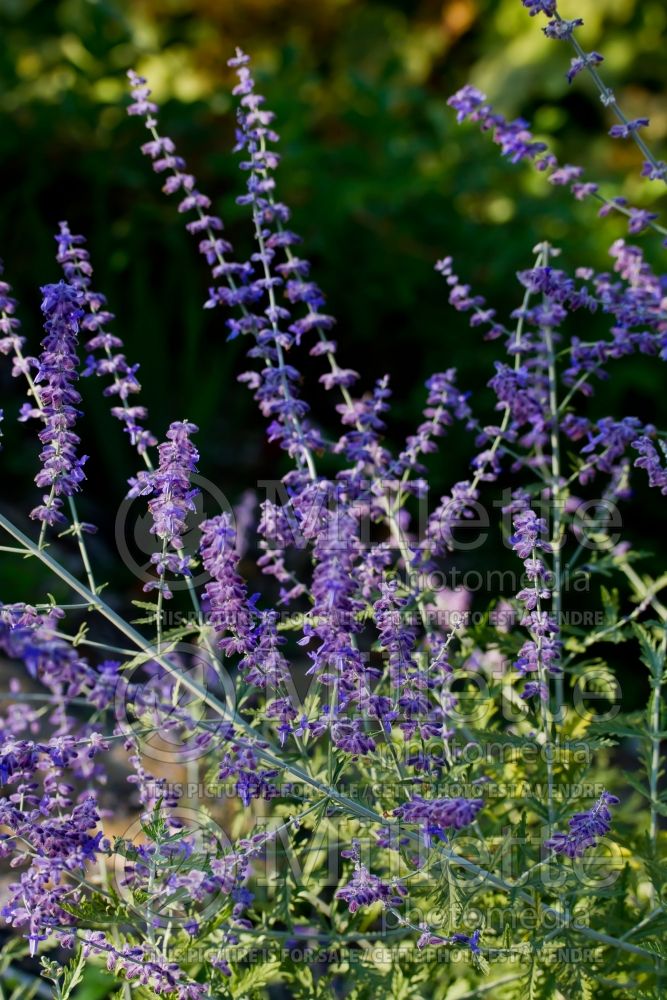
(436, 816)
(586, 828)
(650, 460)
(10, 341)
(364, 888)
(229, 608)
(139, 965)
(51, 830)
(57, 373)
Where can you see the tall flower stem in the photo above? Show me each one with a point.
(555, 489)
(78, 533)
(94, 306)
(657, 680)
(544, 709)
(160, 599)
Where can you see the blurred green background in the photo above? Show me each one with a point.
(380, 179)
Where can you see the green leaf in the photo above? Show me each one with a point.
(145, 605)
(628, 726)
(255, 977)
(652, 651)
(94, 909)
(64, 977)
(610, 604)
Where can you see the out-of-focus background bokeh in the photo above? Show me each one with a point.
(380, 179)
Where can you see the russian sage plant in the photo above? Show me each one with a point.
(350, 783)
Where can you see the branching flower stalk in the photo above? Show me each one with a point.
(75, 262)
(213, 247)
(655, 169)
(518, 144)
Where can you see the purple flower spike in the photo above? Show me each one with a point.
(565, 174)
(640, 220)
(162, 151)
(650, 460)
(140, 92)
(255, 281)
(472, 940)
(514, 138)
(10, 340)
(581, 191)
(529, 531)
(230, 609)
(273, 325)
(656, 171)
(62, 470)
(560, 29)
(535, 689)
(445, 401)
(542, 650)
(75, 262)
(585, 829)
(517, 144)
(172, 501)
(364, 889)
(467, 102)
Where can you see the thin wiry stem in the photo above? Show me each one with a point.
(657, 680)
(78, 532)
(643, 589)
(544, 705)
(608, 99)
(556, 542)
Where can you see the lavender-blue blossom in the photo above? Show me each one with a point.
(172, 499)
(586, 828)
(57, 373)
